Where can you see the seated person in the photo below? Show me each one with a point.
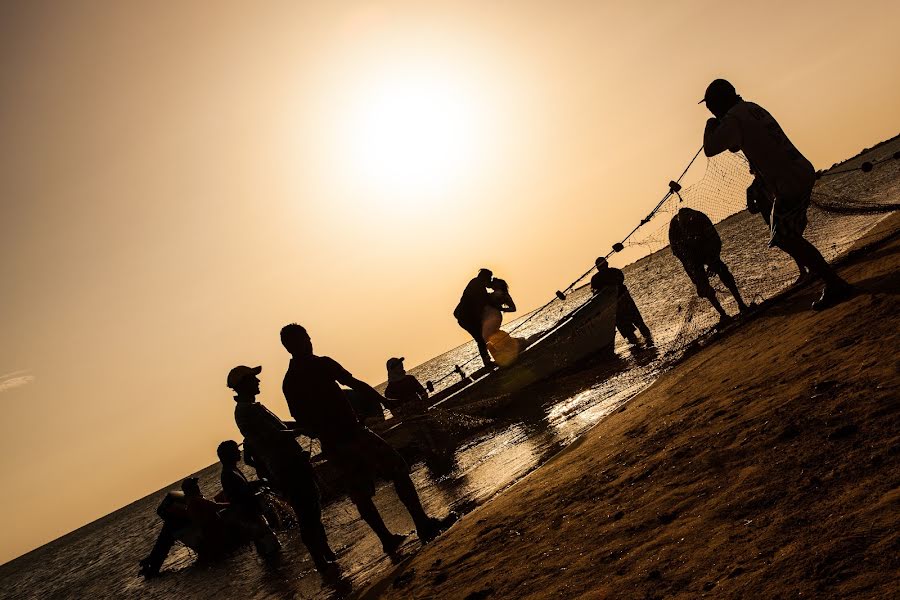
(628, 317)
(190, 518)
(173, 512)
(245, 512)
(696, 243)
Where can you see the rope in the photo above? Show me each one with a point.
(674, 188)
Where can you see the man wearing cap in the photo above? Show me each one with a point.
(469, 311)
(408, 395)
(317, 402)
(409, 400)
(275, 444)
(628, 317)
(786, 174)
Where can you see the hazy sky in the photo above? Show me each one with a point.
(180, 179)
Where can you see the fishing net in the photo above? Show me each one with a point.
(847, 202)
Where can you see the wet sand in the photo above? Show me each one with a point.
(765, 465)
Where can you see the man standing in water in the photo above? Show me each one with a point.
(319, 405)
(276, 446)
(469, 311)
(628, 317)
(786, 174)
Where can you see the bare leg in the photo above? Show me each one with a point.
(372, 517)
(808, 257)
(728, 279)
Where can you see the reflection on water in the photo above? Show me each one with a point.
(100, 560)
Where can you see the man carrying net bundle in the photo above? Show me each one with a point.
(696, 243)
(628, 317)
(786, 174)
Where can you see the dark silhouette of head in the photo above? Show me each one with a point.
(395, 365)
(191, 487)
(296, 341)
(601, 263)
(500, 284)
(229, 453)
(720, 97)
(244, 381)
(485, 275)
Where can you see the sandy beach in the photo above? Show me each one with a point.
(765, 465)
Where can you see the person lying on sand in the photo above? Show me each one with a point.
(628, 317)
(696, 243)
(786, 174)
(319, 405)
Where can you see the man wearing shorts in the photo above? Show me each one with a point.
(696, 243)
(786, 174)
(760, 201)
(319, 405)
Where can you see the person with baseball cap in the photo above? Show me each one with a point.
(408, 400)
(783, 171)
(275, 444)
(628, 317)
(319, 404)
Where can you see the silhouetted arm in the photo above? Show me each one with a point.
(361, 387)
(508, 304)
(721, 135)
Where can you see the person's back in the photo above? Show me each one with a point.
(750, 128)
(692, 236)
(609, 276)
(316, 400)
(272, 443)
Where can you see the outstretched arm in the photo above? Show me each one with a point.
(361, 387)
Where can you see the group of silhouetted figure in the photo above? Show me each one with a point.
(323, 410)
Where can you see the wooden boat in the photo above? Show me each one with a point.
(587, 331)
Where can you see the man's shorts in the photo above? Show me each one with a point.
(789, 217)
(362, 458)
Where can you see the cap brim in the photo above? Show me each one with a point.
(702, 101)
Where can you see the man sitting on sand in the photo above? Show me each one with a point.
(276, 445)
(469, 311)
(245, 512)
(696, 243)
(786, 174)
(628, 317)
(318, 404)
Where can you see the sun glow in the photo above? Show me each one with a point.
(406, 135)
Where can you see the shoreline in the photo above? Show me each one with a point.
(755, 466)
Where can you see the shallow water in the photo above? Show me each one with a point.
(100, 559)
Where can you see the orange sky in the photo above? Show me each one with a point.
(180, 179)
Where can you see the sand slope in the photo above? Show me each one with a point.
(766, 465)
